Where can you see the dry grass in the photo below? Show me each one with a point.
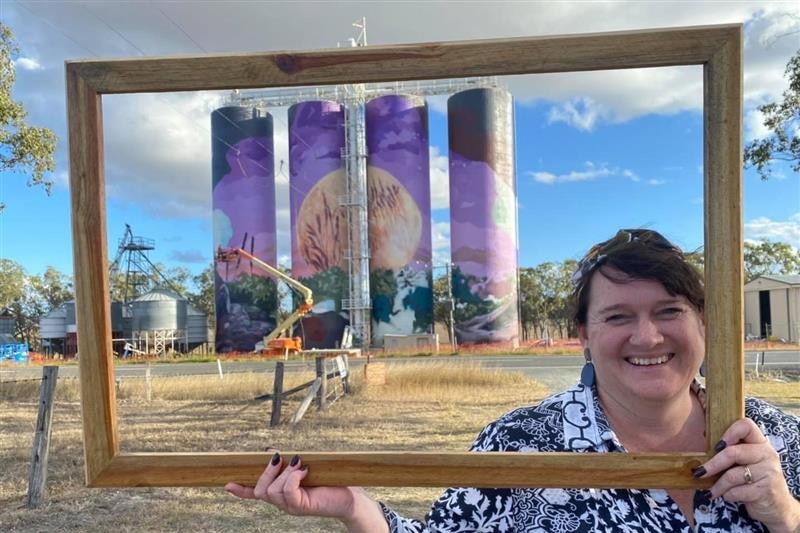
(425, 406)
(422, 407)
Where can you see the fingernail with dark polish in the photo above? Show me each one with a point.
(700, 471)
(276, 458)
(295, 460)
(721, 445)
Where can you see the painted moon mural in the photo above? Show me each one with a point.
(321, 223)
(395, 223)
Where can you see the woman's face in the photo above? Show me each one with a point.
(645, 343)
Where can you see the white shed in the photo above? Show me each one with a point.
(772, 307)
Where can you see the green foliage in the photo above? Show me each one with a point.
(256, 291)
(329, 284)
(783, 121)
(468, 304)
(23, 148)
(769, 257)
(53, 288)
(442, 304)
(12, 282)
(544, 298)
(29, 298)
(202, 297)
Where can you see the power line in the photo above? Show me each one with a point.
(59, 30)
(112, 28)
(178, 26)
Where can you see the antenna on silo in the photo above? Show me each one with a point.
(361, 40)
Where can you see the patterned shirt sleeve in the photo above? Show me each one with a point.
(783, 432)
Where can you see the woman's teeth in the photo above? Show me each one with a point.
(640, 361)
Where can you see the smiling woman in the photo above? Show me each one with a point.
(638, 305)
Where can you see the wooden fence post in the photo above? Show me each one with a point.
(312, 391)
(277, 395)
(322, 393)
(41, 437)
(148, 383)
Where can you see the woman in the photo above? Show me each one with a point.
(638, 306)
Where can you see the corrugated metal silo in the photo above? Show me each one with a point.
(483, 218)
(54, 324)
(399, 211)
(159, 310)
(70, 313)
(196, 326)
(116, 316)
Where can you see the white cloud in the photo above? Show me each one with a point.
(158, 152)
(441, 242)
(581, 113)
(763, 228)
(655, 182)
(440, 180)
(592, 171)
(754, 127)
(27, 63)
(544, 177)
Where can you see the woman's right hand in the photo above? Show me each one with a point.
(351, 505)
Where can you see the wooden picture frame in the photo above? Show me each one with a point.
(717, 48)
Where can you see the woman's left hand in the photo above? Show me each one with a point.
(751, 474)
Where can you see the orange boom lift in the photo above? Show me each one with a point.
(280, 340)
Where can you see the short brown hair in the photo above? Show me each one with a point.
(639, 254)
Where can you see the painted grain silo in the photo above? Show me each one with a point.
(318, 220)
(243, 200)
(483, 227)
(399, 211)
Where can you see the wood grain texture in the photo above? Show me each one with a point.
(723, 238)
(718, 48)
(41, 437)
(413, 469)
(526, 55)
(90, 263)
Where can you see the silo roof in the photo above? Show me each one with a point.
(159, 295)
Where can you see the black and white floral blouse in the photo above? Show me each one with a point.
(574, 421)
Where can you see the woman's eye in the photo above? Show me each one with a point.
(671, 312)
(616, 318)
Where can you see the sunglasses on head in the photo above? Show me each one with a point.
(599, 252)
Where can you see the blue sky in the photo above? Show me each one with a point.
(595, 151)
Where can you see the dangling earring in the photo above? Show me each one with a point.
(703, 369)
(587, 373)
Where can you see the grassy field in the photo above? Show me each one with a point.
(425, 407)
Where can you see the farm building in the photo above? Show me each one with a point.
(155, 322)
(772, 307)
(7, 322)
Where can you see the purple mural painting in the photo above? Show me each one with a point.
(399, 214)
(318, 220)
(483, 223)
(243, 201)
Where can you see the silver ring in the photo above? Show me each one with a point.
(748, 476)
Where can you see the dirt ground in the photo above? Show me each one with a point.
(416, 416)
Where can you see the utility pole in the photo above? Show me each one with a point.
(451, 304)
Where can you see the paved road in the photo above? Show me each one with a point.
(556, 371)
